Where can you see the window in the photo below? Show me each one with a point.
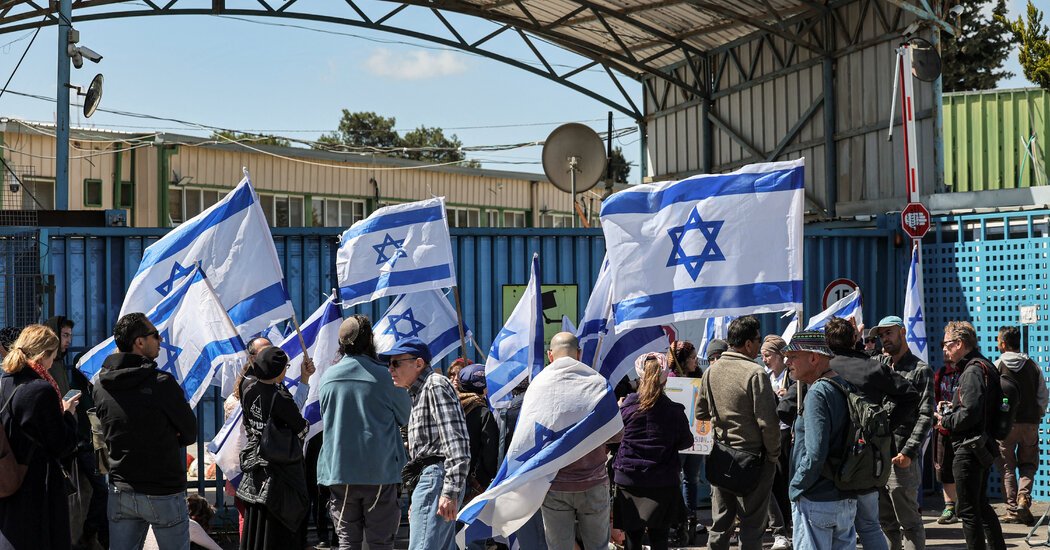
(38, 194)
(317, 212)
(127, 195)
(183, 202)
(513, 219)
(463, 217)
(295, 212)
(555, 220)
(493, 216)
(92, 192)
(192, 201)
(337, 212)
(209, 198)
(282, 210)
(175, 213)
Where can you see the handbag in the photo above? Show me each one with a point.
(411, 472)
(279, 445)
(734, 470)
(11, 472)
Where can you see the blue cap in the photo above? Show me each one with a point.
(891, 321)
(472, 378)
(411, 346)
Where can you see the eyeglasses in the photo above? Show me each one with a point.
(945, 343)
(871, 340)
(394, 362)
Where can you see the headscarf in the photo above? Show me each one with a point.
(639, 364)
(773, 344)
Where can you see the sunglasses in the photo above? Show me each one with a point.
(394, 362)
(871, 340)
(946, 342)
(152, 333)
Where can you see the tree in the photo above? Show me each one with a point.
(1032, 36)
(254, 139)
(973, 59)
(364, 129)
(621, 168)
(430, 144)
(370, 130)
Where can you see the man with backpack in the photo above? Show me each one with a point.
(1024, 386)
(823, 513)
(972, 423)
(881, 385)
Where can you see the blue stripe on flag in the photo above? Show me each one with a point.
(706, 187)
(294, 348)
(538, 332)
(626, 346)
(444, 340)
(203, 365)
(264, 301)
(394, 220)
(167, 306)
(312, 412)
(710, 297)
(182, 236)
(393, 279)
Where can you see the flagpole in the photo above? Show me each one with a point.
(302, 341)
(480, 353)
(459, 322)
(601, 336)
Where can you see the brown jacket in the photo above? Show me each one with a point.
(744, 409)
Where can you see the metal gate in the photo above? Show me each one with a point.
(980, 268)
(22, 285)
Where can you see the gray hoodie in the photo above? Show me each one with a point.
(1014, 360)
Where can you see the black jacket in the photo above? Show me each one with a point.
(147, 424)
(879, 383)
(970, 411)
(483, 432)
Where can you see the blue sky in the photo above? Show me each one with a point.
(257, 76)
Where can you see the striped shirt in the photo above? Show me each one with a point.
(436, 426)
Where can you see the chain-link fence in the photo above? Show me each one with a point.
(23, 191)
(21, 283)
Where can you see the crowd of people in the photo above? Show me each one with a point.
(818, 439)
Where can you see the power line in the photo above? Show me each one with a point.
(20, 59)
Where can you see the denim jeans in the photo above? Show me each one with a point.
(824, 525)
(427, 530)
(531, 534)
(692, 474)
(588, 511)
(869, 527)
(131, 515)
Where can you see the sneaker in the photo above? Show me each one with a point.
(947, 516)
(1010, 517)
(780, 542)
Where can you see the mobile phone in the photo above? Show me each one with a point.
(71, 394)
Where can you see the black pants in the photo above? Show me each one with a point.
(318, 494)
(95, 521)
(977, 516)
(657, 539)
(781, 479)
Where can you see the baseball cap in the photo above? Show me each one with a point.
(812, 341)
(472, 378)
(411, 346)
(891, 321)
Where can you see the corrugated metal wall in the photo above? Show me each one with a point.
(985, 134)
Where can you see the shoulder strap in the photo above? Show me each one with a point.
(7, 402)
(714, 408)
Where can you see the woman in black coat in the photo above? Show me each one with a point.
(42, 430)
(274, 493)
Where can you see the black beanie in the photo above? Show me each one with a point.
(269, 363)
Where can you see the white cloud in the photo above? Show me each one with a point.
(414, 64)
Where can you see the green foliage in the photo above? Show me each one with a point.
(254, 139)
(973, 59)
(368, 129)
(1032, 36)
(621, 168)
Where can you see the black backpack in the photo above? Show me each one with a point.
(998, 409)
(863, 462)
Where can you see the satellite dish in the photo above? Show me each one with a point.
(925, 61)
(93, 96)
(574, 158)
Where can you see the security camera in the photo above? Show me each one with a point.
(78, 59)
(89, 54)
(13, 186)
(956, 10)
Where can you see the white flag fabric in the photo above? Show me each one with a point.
(232, 243)
(568, 411)
(792, 327)
(849, 307)
(426, 315)
(517, 350)
(616, 351)
(399, 249)
(708, 245)
(566, 325)
(914, 310)
(715, 328)
(196, 334)
(321, 334)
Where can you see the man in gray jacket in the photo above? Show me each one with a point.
(737, 397)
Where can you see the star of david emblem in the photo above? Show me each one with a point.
(414, 326)
(383, 257)
(920, 342)
(503, 335)
(171, 356)
(711, 253)
(543, 435)
(177, 272)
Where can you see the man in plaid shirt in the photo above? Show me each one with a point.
(438, 446)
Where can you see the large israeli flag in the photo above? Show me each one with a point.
(849, 307)
(426, 315)
(517, 350)
(321, 333)
(232, 243)
(568, 411)
(715, 328)
(399, 249)
(705, 246)
(612, 354)
(914, 308)
(196, 337)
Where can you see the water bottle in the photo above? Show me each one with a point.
(1005, 407)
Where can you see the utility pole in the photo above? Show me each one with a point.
(65, 15)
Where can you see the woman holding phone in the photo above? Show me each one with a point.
(41, 428)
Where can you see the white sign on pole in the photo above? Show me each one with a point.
(686, 391)
(1028, 314)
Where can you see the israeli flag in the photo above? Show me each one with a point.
(613, 354)
(705, 246)
(914, 310)
(568, 412)
(321, 334)
(196, 337)
(426, 315)
(849, 307)
(517, 350)
(232, 243)
(715, 328)
(792, 327)
(399, 249)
